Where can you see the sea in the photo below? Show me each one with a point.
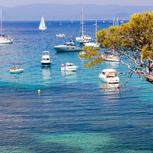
(75, 112)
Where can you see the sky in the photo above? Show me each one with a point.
(11, 3)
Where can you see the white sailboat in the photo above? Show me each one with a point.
(3, 38)
(93, 44)
(42, 25)
(83, 38)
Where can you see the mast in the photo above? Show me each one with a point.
(96, 29)
(1, 22)
(82, 24)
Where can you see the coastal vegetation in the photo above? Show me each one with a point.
(131, 41)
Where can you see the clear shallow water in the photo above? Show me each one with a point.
(76, 113)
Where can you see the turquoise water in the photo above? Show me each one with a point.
(76, 113)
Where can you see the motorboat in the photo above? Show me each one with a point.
(15, 70)
(42, 25)
(83, 38)
(60, 35)
(109, 76)
(45, 59)
(68, 67)
(67, 47)
(3, 38)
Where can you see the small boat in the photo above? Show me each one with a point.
(42, 26)
(5, 40)
(92, 44)
(15, 70)
(109, 76)
(68, 67)
(111, 58)
(45, 59)
(68, 47)
(60, 35)
(84, 39)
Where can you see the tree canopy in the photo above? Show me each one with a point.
(133, 40)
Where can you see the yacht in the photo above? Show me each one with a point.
(68, 67)
(67, 47)
(3, 38)
(45, 59)
(109, 76)
(83, 38)
(42, 26)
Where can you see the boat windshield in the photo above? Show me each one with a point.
(110, 74)
(45, 53)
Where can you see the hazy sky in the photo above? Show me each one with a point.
(103, 2)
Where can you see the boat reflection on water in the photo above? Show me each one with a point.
(110, 87)
(46, 73)
(69, 76)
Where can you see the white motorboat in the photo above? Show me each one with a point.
(15, 70)
(109, 76)
(3, 38)
(83, 38)
(67, 47)
(60, 35)
(68, 67)
(42, 26)
(45, 59)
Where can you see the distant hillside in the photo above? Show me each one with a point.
(67, 12)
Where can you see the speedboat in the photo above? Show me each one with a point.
(67, 47)
(15, 70)
(109, 76)
(45, 59)
(60, 35)
(68, 67)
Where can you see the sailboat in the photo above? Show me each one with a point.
(42, 25)
(3, 38)
(93, 44)
(83, 38)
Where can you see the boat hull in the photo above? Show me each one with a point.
(68, 49)
(114, 80)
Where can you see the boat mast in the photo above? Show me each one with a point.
(82, 24)
(96, 29)
(1, 22)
